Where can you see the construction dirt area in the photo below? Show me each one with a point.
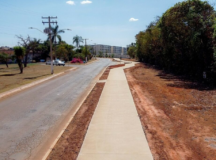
(178, 116)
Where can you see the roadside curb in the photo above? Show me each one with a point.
(7, 93)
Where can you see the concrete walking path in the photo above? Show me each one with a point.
(115, 131)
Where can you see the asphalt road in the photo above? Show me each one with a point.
(28, 118)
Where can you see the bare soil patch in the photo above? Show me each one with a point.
(10, 77)
(178, 116)
(106, 72)
(69, 145)
(128, 59)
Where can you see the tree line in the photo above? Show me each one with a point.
(61, 50)
(182, 40)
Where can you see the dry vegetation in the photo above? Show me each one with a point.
(178, 116)
(10, 77)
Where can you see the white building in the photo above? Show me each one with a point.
(116, 50)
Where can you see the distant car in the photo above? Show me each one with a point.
(59, 63)
(49, 62)
(56, 62)
(42, 60)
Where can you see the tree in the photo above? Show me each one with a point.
(55, 34)
(79, 55)
(100, 54)
(34, 46)
(186, 32)
(4, 57)
(106, 55)
(61, 52)
(24, 42)
(77, 39)
(19, 53)
(182, 41)
(86, 52)
(70, 51)
(43, 49)
(132, 51)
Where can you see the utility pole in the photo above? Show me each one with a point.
(95, 50)
(49, 18)
(86, 49)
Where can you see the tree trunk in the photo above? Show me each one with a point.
(20, 66)
(33, 56)
(6, 63)
(26, 60)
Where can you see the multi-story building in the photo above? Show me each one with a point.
(124, 50)
(116, 50)
(103, 48)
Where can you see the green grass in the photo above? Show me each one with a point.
(10, 77)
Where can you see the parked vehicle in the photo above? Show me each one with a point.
(49, 62)
(59, 63)
(56, 62)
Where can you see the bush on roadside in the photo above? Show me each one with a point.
(76, 60)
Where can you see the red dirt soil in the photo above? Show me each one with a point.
(69, 145)
(106, 72)
(127, 59)
(178, 116)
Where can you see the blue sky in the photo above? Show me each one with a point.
(102, 21)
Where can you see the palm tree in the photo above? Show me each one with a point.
(55, 34)
(77, 39)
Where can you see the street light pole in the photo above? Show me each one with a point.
(95, 50)
(86, 49)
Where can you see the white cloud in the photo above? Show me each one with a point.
(86, 2)
(70, 2)
(133, 20)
